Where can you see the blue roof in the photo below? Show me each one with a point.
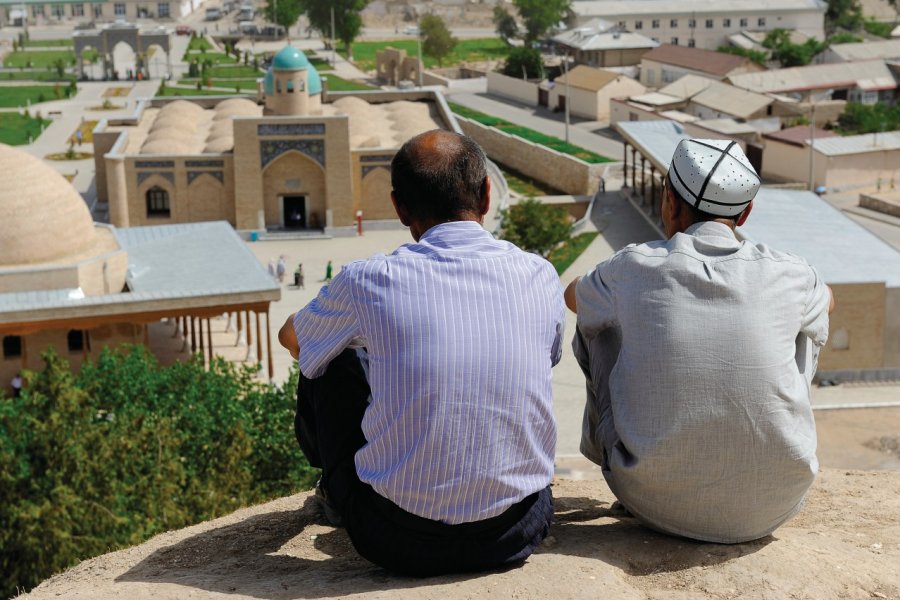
(314, 83)
(289, 59)
(269, 83)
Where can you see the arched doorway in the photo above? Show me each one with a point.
(375, 202)
(156, 62)
(294, 192)
(207, 200)
(124, 60)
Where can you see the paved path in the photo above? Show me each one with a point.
(542, 120)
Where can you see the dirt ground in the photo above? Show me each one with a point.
(844, 544)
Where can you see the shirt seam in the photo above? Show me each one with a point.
(786, 259)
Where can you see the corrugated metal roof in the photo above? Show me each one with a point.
(730, 100)
(868, 50)
(858, 144)
(587, 78)
(687, 86)
(165, 263)
(603, 35)
(799, 135)
(839, 248)
(813, 77)
(619, 8)
(696, 59)
(656, 99)
(726, 126)
(655, 139)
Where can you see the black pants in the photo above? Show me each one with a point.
(328, 427)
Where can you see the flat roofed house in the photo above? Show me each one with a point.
(668, 63)
(867, 82)
(588, 91)
(868, 50)
(599, 43)
(75, 285)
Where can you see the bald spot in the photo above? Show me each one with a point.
(436, 150)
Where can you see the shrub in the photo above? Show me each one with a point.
(534, 226)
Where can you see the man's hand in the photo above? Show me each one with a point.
(287, 337)
(570, 295)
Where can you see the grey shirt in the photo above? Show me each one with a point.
(699, 353)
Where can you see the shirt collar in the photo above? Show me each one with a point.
(453, 232)
(707, 229)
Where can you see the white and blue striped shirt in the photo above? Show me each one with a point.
(461, 332)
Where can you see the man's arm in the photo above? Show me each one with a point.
(287, 337)
(831, 302)
(571, 296)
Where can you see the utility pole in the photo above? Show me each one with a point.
(333, 42)
(568, 99)
(421, 66)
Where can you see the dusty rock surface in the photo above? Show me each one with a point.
(844, 544)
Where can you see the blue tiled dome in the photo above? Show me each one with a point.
(314, 82)
(290, 59)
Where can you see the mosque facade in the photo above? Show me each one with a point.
(294, 158)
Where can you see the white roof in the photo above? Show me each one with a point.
(677, 115)
(656, 99)
(868, 50)
(620, 8)
(598, 34)
(726, 126)
(730, 100)
(858, 144)
(655, 139)
(867, 75)
(687, 86)
(841, 250)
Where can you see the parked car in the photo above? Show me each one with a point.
(213, 14)
(247, 13)
(183, 30)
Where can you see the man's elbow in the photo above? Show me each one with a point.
(830, 300)
(570, 295)
(288, 338)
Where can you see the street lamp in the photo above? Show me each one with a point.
(421, 66)
(568, 99)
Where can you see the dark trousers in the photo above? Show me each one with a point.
(330, 409)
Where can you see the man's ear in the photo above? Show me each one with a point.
(401, 212)
(742, 218)
(484, 203)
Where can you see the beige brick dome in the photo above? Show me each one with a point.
(43, 219)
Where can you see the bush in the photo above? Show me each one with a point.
(534, 226)
(869, 118)
(524, 62)
(126, 449)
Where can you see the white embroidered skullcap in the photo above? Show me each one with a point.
(714, 176)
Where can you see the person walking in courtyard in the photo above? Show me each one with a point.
(298, 277)
(328, 271)
(271, 268)
(280, 269)
(425, 379)
(699, 352)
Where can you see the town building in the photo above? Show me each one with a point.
(37, 12)
(786, 156)
(668, 63)
(289, 160)
(868, 50)
(79, 286)
(587, 91)
(862, 270)
(704, 24)
(600, 43)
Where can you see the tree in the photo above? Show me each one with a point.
(789, 54)
(283, 12)
(541, 15)
(844, 37)
(534, 226)
(126, 449)
(846, 14)
(347, 22)
(869, 118)
(524, 62)
(757, 56)
(505, 24)
(437, 42)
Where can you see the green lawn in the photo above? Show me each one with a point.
(336, 84)
(529, 134)
(217, 58)
(15, 128)
(563, 256)
(35, 76)
(170, 91)
(42, 59)
(14, 96)
(247, 85)
(64, 43)
(235, 72)
(199, 43)
(319, 63)
(525, 185)
(465, 50)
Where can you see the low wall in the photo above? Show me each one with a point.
(888, 206)
(520, 90)
(561, 171)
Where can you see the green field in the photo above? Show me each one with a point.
(247, 85)
(522, 184)
(15, 128)
(563, 257)
(217, 58)
(336, 84)
(236, 72)
(39, 59)
(529, 134)
(465, 50)
(60, 43)
(36, 76)
(18, 95)
(199, 43)
(171, 91)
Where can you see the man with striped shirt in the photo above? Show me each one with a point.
(425, 392)
(699, 351)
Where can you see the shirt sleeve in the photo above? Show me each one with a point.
(815, 313)
(326, 326)
(594, 300)
(560, 317)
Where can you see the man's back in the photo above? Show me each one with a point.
(711, 431)
(461, 331)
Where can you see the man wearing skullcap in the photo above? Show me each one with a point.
(699, 352)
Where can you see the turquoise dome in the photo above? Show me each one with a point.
(269, 83)
(290, 59)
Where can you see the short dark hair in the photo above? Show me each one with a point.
(699, 215)
(439, 175)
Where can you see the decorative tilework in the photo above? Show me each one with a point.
(204, 163)
(154, 164)
(144, 176)
(291, 129)
(192, 175)
(369, 168)
(377, 158)
(269, 150)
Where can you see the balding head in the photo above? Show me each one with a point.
(440, 176)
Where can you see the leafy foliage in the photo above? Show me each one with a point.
(788, 53)
(347, 21)
(541, 15)
(844, 14)
(534, 226)
(505, 24)
(437, 42)
(756, 56)
(524, 61)
(283, 12)
(869, 118)
(126, 449)
(878, 28)
(844, 37)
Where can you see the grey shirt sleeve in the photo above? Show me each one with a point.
(594, 298)
(815, 313)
